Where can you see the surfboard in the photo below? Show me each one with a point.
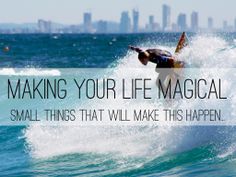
(183, 42)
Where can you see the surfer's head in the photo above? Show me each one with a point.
(143, 57)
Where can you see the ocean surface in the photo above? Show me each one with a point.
(115, 151)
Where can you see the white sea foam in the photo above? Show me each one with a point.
(210, 52)
(29, 72)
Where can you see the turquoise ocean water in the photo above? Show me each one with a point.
(143, 151)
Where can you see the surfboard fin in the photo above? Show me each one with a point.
(183, 42)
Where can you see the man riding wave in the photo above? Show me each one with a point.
(163, 59)
(166, 63)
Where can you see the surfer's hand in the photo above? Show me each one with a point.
(131, 47)
(171, 62)
(136, 49)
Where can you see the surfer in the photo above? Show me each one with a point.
(163, 59)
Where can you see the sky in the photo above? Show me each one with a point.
(71, 11)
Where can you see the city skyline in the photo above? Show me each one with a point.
(129, 22)
(68, 12)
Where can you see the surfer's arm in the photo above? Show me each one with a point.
(136, 49)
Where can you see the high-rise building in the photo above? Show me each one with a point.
(210, 23)
(225, 25)
(135, 21)
(151, 23)
(182, 22)
(152, 26)
(151, 20)
(125, 22)
(102, 27)
(87, 22)
(194, 21)
(44, 26)
(166, 12)
(41, 26)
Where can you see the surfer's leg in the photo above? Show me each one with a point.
(160, 82)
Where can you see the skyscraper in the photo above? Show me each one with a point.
(125, 24)
(44, 26)
(210, 23)
(194, 21)
(102, 27)
(152, 26)
(41, 26)
(166, 17)
(151, 19)
(151, 23)
(87, 22)
(135, 21)
(181, 22)
(225, 25)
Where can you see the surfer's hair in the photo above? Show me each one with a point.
(143, 55)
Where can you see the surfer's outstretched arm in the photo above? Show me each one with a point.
(136, 49)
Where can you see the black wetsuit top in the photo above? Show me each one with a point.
(160, 57)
